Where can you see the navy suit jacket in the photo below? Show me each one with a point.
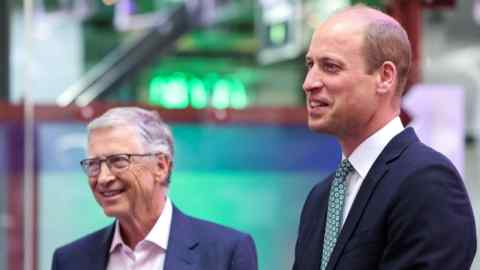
(412, 212)
(193, 245)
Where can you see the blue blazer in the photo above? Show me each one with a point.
(193, 244)
(412, 212)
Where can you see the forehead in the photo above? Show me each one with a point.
(106, 141)
(340, 37)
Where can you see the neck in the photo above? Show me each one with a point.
(350, 141)
(135, 228)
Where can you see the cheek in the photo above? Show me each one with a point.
(339, 90)
(140, 180)
(362, 104)
(92, 183)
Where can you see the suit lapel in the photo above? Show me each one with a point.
(379, 169)
(312, 227)
(98, 256)
(316, 229)
(322, 215)
(182, 243)
(368, 186)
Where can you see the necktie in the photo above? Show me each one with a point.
(336, 201)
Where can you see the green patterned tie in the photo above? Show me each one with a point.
(336, 201)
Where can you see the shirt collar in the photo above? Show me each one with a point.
(158, 235)
(366, 153)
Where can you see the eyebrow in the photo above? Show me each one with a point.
(100, 156)
(324, 59)
(334, 60)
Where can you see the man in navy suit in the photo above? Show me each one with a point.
(393, 203)
(130, 160)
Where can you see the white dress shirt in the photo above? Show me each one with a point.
(363, 157)
(149, 253)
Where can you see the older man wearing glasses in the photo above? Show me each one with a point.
(130, 160)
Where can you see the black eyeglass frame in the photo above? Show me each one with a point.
(84, 163)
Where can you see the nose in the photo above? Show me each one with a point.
(312, 81)
(105, 176)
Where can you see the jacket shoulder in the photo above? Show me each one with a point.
(213, 231)
(419, 156)
(87, 242)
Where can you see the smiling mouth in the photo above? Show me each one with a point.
(111, 193)
(317, 104)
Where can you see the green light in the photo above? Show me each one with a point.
(278, 33)
(238, 95)
(180, 90)
(198, 94)
(210, 80)
(169, 92)
(221, 94)
(156, 87)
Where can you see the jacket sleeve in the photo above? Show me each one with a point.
(431, 224)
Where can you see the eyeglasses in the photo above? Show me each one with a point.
(116, 163)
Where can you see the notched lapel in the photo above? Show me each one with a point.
(311, 234)
(379, 169)
(179, 258)
(182, 244)
(319, 226)
(377, 172)
(99, 256)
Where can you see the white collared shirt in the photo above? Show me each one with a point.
(149, 253)
(363, 157)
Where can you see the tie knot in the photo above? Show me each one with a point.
(344, 169)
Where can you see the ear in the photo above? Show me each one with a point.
(386, 78)
(162, 168)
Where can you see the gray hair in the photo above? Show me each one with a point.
(154, 134)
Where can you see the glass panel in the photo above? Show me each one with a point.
(72, 212)
(70, 38)
(214, 178)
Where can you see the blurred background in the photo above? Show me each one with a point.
(227, 76)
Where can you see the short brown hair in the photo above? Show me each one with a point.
(386, 40)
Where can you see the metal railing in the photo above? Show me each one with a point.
(125, 61)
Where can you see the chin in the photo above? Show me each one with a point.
(114, 211)
(328, 130)
(318, 126)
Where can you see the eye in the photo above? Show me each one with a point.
(309, 63)
(91, 166)
(330, 67)
(119, 161)
(88, 163)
